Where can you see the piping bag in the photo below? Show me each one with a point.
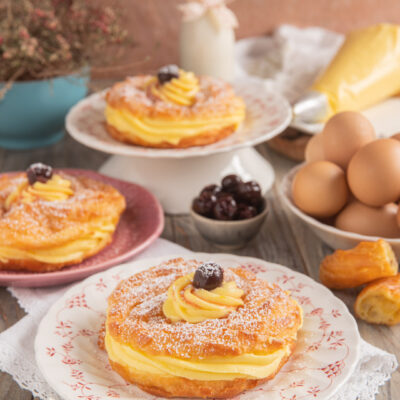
(365, 71)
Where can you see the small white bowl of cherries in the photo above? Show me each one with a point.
(230, 214)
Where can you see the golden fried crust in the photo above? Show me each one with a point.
(269, 318)
(202, 139)
(41, 225)
(182, 387)
(215, 97)
(364, 263)
(379, 301)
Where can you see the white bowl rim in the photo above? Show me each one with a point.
(286, 183)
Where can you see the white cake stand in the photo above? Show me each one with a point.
(175, 176)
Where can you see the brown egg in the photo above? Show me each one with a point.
(372, 221)
(344, 134)
(396, 136)
(320, 189)
(374, 173)
(398, 217)
(314, 150)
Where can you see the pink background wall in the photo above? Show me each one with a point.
(154, 24)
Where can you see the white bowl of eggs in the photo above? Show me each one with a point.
(348, 189)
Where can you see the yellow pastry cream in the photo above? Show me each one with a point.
(97, 238)
(187, 304)
(55, 189)
(181, 92)
(184, 302)
(253, 366)
(364, 71)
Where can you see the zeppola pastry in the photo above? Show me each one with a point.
(175, 109)
(192, 329)
(51, 220)
(364, 263)
(379, 302)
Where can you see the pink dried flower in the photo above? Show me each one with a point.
(50, 37)
(39, 13)
(7, 55)
(23, 33)
(52, 25)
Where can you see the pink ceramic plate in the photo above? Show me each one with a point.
(140, 224)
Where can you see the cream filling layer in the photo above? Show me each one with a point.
(248, 366)
(64, 253)
(157, 130)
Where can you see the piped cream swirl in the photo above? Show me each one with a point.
(184, 302)
(55, 189)
(181, 90)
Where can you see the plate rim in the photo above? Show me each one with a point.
(156, 260)
(18, 278)
(202, 151)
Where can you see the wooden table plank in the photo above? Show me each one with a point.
(282, 239)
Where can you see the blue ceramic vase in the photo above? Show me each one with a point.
(32, 113)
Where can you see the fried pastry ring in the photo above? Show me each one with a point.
(379, 301)
(136, 114)
(216, 358)
(40, 235)
(362, 264)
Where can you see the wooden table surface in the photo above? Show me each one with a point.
(282, 239)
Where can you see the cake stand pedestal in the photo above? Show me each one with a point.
(176, 176)
(176, 181)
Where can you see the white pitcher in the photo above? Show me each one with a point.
(207, 39)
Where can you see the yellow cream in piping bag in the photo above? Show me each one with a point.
(184, 302)
(365, 70)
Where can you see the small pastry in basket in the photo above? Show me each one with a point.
(52, 220)
(379, 301)
(364, 263)
(174, 109)
(192, 329)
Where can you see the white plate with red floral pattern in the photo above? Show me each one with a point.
(69, 358)
(267, 114)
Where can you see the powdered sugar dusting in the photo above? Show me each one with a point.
(42, 223)
(214, 98)
(268, 318)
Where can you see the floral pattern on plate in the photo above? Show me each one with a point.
(68, 355)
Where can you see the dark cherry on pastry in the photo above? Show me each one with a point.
(39, 172)
(208, 276)
(167, 73)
